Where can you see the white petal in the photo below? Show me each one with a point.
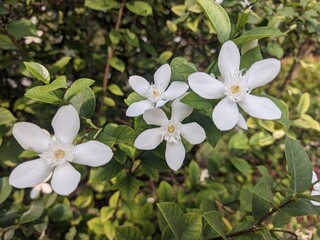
(260, 107)
(175, 90)
(155, 116)
(149, 139)
(226, 114)
(229, 59)
(315, 193)
(65, 179)
(138, 108)
(206, 86)
(193, 133)
(242, 122)
(66, 124)
(314, 177)
(29, 174)
(92, 153)
(160, 103)
(175, 154)
(180, 111)
(162, 76)
(263, 72)
(35, 192)
(46, 188)
(139, 84)
(31, 137)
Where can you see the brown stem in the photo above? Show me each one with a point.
(295, 236)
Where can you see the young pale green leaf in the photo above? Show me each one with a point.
(165, 56)
(133, 97)
(6, 116)
(218, 18)
(77, 87)
(214, 219)
(258, 33)
(105, 172)
(174, 218)
(115, 89)
(85, 103)
(241, 165)
(60, 82)
(84, 199)
(101, 5)
(299, 165)
(118, 64)
(238, 141)
(129, 186)
(128, 232)
(60, 64)
(35, 211)
(250, 57)
(96, 225)
(261, 139)
(38, 71)
(139, 7)
(181, 69)
(21, 28)
(5, 188)
(303, 104)
(243, 19)
(193, 226)
(47, 97)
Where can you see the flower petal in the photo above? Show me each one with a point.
(138, 108)
(175, 154)
(229, 59)
(66, 124)
(160, 103)
(242, 122)
(149, 139)
(31, 137)
(226, 114)
(206, 86)
(29, 174)
(35, 191)
(155, 116)
(162, 76)
(263, 72)
(180, 111)
(46, 188)
(92, 153)
(314, 177)
(260, 107)
(175, 90)
(315, 193)
(193, 133)
(65, 179)
(139, 84)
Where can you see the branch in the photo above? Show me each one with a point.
(294, 236)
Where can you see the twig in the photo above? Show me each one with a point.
(295, 236)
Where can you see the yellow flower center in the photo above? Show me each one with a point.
(235, 89)
(155, 93)
(171, 129)
(59, 154)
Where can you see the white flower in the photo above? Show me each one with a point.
(29, 40)
(235, 88)
(170, 131)
(316, 189)
(43, 187)
(157, 94)
(56, 153)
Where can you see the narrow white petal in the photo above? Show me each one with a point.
(180, 111)
(206, 86)
(175, 90)
(162, 76)
(175, 154)
(138, 108)
(66, 124)
(242, 122)
(226, 114)
(65, 179)
(92, 153)
(160, 103)
(193, 133)
(31, 137)
(46, 188)
(29, 174)
(260, 107)
(139, 84)
(149, 139)
(35, 192)
(263, 72)
(315, 193)
(155, 116)
(229, 59)
(314, 177)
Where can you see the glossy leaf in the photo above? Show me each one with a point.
(181, 69)
(35, 211)
(85, 103)
(21, 28)
(105, 172)
(214, 219)
(37, 93)
(258, 33)
(139, 7)
(38, 71)
(6, 116)
(303, 104)
(77, 86)
(5, 189)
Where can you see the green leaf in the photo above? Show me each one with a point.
(164, 192)
(250, 57)
(60, 64)
(192, 226)
(218, 18)
(214, 219)
(261, 139)
(165, 56)
(132, 38)
(243, 19)
(258, 33)
(139, 8)
(21, 28)
(174, 217)
(115, 90)
(241, 165)
(38, 71)
(260, 206)
(197, 102)
(77, 87)
(299, 166)
(6, 43)
(181, 69)
(5, 188)
(105, 172)
(127, 232)
(60, 212)
(300, 207)
(101, 5)
(60, 82)
(238, 141)
(194, 172)
(264, 191)
(84, 199)
(117, 63)
(124, 134)
(129, 186)
(47, 97)
(133, 97)
(96, 225)
(6, 116)
(307, 122)
(303, 104)
(35, 211)
(85, 103)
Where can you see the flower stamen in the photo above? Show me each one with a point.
(59, 154)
